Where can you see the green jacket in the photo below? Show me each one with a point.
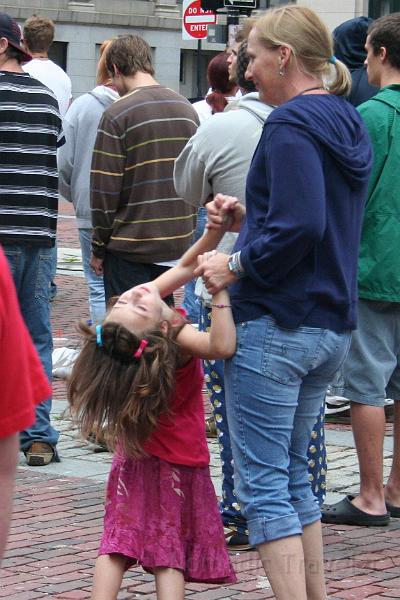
(379, 264)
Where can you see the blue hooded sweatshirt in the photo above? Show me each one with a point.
(305, 196)
(350, 38)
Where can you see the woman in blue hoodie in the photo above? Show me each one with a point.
(293, 276)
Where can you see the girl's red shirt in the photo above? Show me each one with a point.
(180, 437)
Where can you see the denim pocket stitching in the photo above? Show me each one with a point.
(241, 330)
(281, 351)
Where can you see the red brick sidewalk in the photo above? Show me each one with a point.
(58, 521)
(57, 525)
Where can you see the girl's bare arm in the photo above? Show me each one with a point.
(220, 341)
(183, 272)
(172, 279)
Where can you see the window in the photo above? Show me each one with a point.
(378, 8)
(58, 54)
(81, 4)
(182, 66)
(275, 3)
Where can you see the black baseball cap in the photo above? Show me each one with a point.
(10, 30)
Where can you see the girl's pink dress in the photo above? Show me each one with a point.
(164, 513)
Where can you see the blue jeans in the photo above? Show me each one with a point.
(53, 286)
(191, 303)
(275, 387)
(97, 301)
(31, 267)
(316, 454)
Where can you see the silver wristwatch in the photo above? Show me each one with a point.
(235, 266)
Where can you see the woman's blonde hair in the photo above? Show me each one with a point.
(103, 74)
(310, 41)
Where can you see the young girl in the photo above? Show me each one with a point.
(139, 377)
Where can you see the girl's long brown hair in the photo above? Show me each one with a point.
(113, 392)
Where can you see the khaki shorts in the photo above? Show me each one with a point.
(371, 371)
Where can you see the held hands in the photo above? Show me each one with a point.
(213, 269)
(225, 212)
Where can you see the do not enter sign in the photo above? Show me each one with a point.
(195, 20)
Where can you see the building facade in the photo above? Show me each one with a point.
(82, 25)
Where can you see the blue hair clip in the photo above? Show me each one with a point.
(332, 59)
(99, 339)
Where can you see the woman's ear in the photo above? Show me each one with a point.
(284, 56)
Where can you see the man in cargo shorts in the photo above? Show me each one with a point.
(372, 370)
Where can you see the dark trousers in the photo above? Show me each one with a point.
(120, 275)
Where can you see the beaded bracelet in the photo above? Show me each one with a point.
(221, 305)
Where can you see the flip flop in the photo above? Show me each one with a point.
(393, 510)
(345, 513)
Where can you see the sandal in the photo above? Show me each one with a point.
(98, 440)
(393, 510)
(211, 427)
(345, 513)
(237, 542)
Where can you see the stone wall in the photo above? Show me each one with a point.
(84, 24)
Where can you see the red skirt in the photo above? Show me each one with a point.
(159, 514)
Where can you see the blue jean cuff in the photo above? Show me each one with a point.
(308, 510)
(267, 530)
(363, 398)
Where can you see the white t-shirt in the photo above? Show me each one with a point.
(52, 76)
(204, 110)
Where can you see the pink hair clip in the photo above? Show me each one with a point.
(139, 351)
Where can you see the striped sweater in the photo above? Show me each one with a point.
(30, 132)
(136, 212)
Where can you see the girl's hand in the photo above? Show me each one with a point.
(225, 212)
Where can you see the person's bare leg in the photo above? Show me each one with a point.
(392, 488)
(108, 573)
(9, 447)
(283, 562)
(314, 561)
(368, 424)
(170, 584)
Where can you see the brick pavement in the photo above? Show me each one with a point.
(58, 516)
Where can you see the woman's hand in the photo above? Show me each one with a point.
(213, 269)
(225, 212)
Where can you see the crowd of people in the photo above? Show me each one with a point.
(293, 157)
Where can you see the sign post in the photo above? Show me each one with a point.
(195, 20)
